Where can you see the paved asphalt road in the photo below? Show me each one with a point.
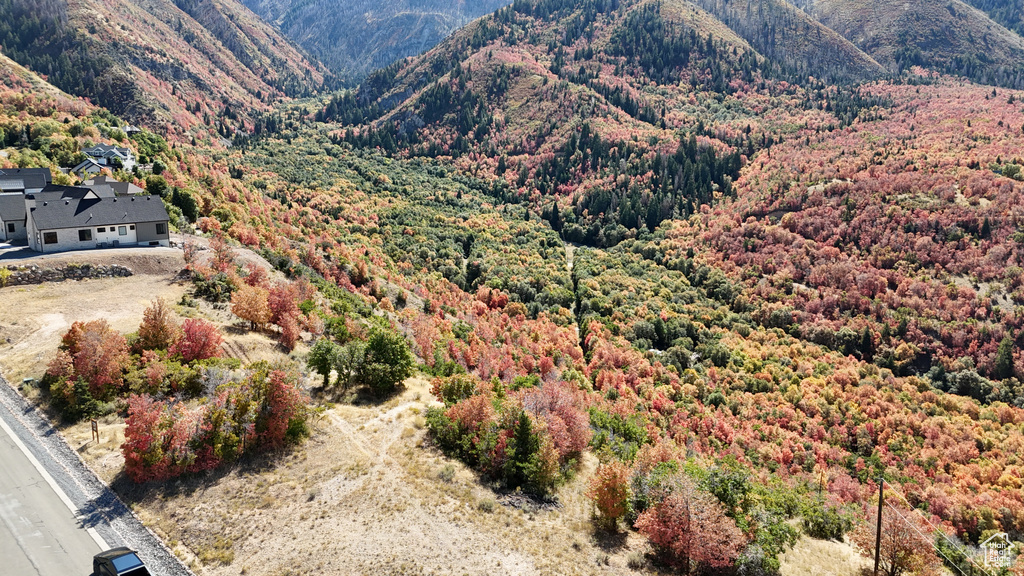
(38, 533)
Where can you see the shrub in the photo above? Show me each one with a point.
(199, 340)
(609, 490)
(826, 521)
(453, 389)
(387, 361)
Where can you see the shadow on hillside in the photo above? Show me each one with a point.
(611, 542)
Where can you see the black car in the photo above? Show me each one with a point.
(118, 562)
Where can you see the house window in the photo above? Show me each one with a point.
(101, 230)
(49, 237)
(161, 228)
(122, 230)
(131, 227)
(10, 227)
(84, 235)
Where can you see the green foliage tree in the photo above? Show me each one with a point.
(185, 202)
(322, 358)
(1004, 359)
(387, 361)
(156, 185)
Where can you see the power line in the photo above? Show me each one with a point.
(925, 538)
(935, 529)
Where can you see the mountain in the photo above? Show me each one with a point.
(945, 35)
(780, 31)
(355, 37)
(1008, 13)
(590, 104)
(168, 65)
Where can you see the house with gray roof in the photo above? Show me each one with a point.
(12, 217)
(71, 218)
(24, 180)
(87, 167)
(109, 154)
(107, 186)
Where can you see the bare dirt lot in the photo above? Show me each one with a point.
(367, 494)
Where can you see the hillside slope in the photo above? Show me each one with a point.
(784, 33)
(168, 65)
(948, 36)
(1008, 13)
(354, 38)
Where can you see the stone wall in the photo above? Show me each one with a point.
(21, 275)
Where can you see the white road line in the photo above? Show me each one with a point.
(53, 483)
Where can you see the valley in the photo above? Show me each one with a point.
(521, 293)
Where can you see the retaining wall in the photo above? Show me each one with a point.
(22, 275)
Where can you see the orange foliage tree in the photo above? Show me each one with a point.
(251, 303)
(158, 329)
(609, 490)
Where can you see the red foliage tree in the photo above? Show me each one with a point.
(689, 527)
(199, 340)
(256, 275)
(144, 438)
(290, 331)
(559, 406)
(99, 355)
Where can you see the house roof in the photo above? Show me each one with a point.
(24, 172)
(24, 178)
(12, 207)
(105, 186)
(83, 212)
(107, 150)
(57, 192)
(87, 163)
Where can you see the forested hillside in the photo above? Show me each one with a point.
(950, 37)
(1008, 13)
(652, 252)
(170, 66)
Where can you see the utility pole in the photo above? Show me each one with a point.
(878, 530)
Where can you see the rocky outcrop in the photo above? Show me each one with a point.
(22, 275)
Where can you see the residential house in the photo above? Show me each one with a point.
(24, 180)
(14, 184)
(110, 155)
(73, 218)
(107, 186)
(87, 167)
(12, 217)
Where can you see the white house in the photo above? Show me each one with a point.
(67, 218)
(108, 154)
